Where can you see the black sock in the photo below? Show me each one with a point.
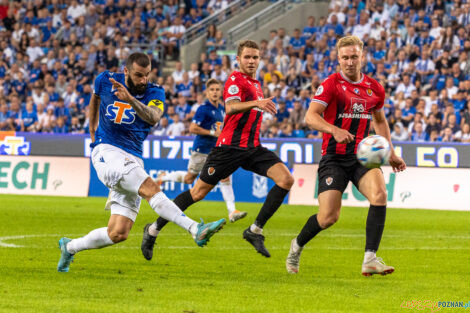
(182, 201)
(273, 201)
(375, 226)
(310, 230)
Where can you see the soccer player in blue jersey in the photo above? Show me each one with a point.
(207, 126)
(127, 106)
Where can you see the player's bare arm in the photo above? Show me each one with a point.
(314, 120)
(197, 130)
(150, 114)
(381, 128)
(235, 106)
(94, 114)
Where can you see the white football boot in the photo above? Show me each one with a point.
(293, 258)
(376, 266)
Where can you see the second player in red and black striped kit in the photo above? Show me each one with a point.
(349, 101)
(238, 146)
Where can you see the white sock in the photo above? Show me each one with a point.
(255, 229)
(369, 255)
(95, 239)
(193, 230)
(153, 231)
(227, 193)
(169, 211)
(176, 176)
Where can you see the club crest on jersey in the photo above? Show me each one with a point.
(329, 180)
(344, 88)
(356, 91)
(233, 90)
(369, 92)
(232, 78)
(120, 113)
(319, 91)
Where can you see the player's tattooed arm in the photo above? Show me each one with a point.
(235, 106)
(94, 115)
(150, 114)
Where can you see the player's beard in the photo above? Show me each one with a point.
(135, 89)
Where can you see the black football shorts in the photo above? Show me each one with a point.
(335, 172)
(223, 161)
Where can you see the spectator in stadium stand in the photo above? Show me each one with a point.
(177, 127)
(418, 134)
(282, 113)
(178, 72)
(465, 133)
(447, 135)
(297, 115)
(210, 38)
(399, 133)
(4, 116)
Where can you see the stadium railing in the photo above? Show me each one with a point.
(256, 21)
(217, 18)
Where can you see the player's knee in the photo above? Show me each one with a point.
(197, 194)
(286, 182)
(327, 221)
(117, 235)
(188, 180)
(379, 197)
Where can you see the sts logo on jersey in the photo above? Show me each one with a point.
(120, 113)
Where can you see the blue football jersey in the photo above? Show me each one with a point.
(208, 117)
(119, 124)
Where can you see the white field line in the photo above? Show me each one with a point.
(5, 244)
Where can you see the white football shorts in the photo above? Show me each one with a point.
(196, 162)
(123, 173)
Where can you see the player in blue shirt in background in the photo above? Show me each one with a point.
(206, 125)
(127, 106)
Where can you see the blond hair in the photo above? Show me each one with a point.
(349, 41)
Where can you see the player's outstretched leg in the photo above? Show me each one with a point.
(229, 197)
(95, 239)
(173, 211)
(151, 231)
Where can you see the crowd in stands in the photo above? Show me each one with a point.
(418, 50)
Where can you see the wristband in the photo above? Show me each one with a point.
(212, 132)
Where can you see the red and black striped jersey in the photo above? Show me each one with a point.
(349, 106)
(242, 129)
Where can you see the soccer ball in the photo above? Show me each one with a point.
(373, 151)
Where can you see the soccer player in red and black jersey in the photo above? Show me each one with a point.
(349, 101)
(238, 146)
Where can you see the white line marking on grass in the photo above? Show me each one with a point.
(4, 244)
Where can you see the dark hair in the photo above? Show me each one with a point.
(137, 57)
(212, 81)
(246, 44)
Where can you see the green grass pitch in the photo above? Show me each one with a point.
(429, 249)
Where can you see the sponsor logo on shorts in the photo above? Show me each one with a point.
(329, 180)
(211, 171)
(127, 162)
